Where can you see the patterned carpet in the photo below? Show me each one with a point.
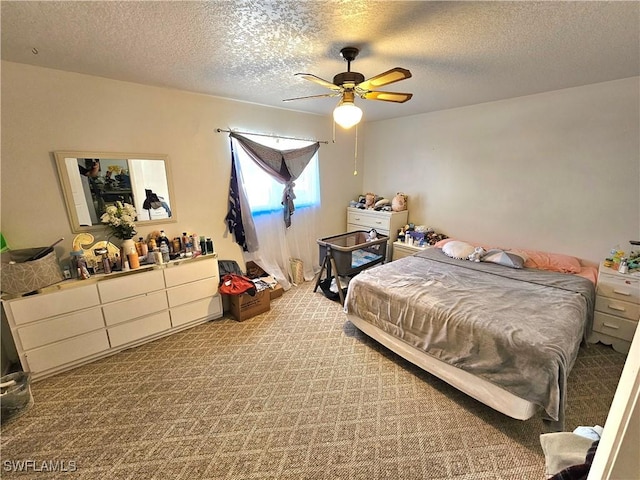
(295, 393)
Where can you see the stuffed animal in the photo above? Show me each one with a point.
(372, 235)
(399, 202)
(370, 199)
(477, 254)
(380, 204)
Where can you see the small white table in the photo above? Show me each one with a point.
(401, 249)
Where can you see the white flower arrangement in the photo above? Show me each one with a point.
(120, 219)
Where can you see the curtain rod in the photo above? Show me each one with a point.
(220, 130)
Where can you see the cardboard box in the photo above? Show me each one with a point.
(276, 292)
(245, 306)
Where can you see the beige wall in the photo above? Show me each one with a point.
(557, 171)
(44, 110)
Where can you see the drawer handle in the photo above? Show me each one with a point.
(379, 223)
(627, 294)
(608, 325)
(617, 308)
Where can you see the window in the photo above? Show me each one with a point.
(264, 193)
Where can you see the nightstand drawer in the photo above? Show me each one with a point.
(401, 250)
(630, 311)
(614, 326)
(625, 289)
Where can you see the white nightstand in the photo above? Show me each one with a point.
(617, 309)
(401, 249)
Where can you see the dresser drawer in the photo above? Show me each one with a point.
(192, 291)
(614, 326)
(366, 220)
(207, 308)
(625, 289)
(60, 328)
(630, 311)
(130, 285)
(119, 312)
(28, 309)
(137, 329)
(56, 354)
(189, 272)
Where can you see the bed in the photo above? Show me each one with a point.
(508, 337)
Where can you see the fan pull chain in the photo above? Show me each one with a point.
(355, 155)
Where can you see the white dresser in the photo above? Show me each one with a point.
(617, 309)
(385, 223)
(79, 321)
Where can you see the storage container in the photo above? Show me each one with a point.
(27, 276)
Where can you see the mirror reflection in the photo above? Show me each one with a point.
(92, 181)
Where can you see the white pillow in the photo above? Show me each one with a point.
(458, 249)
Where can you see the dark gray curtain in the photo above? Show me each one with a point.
(283, 165)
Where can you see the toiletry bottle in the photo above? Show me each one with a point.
(76, 256)
(203, 245)
(152, 245)
(164, 250)
(134, 260)
(83, 270)
(163, 240)
(177, 245)
(106, 264)
(210, 247)
(144, 249)
(624, 266)
(185, 240)
(195, 243)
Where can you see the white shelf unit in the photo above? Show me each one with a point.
(77, 322)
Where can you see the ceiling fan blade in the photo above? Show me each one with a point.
(319, 81)
(335, 94)
(396, 97)
(385, 78)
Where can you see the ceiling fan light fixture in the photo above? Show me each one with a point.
(347, 114)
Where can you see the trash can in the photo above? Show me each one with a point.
(15, 395)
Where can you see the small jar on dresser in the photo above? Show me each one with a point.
(617, 308)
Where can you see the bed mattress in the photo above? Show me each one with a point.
(519, 329)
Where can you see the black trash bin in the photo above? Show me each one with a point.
(15, 395)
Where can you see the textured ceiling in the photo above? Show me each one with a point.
(460, 53)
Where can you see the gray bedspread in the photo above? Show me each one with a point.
(519, 329)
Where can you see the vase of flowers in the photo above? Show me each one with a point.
(120, 220)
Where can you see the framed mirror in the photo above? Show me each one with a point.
(91, 181)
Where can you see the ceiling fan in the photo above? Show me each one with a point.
(349, 84)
